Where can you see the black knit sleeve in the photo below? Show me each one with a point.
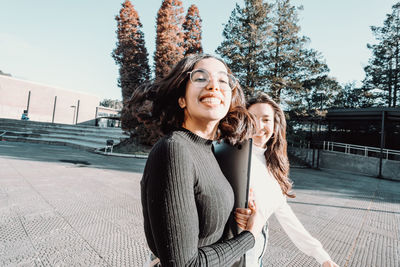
(169, 203)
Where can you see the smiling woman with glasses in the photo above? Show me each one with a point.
(186, 199)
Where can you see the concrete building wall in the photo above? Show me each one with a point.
(14, 98)
(391, 169)
(349, 162)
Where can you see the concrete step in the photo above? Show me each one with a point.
(62, 131)
(84, 137)
(15, 124)
(98, 141)
(54, 141)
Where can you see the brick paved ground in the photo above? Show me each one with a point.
(64, 207)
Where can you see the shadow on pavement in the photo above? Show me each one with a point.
(346, 185)
(68, 155)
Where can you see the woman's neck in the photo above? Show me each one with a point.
(206, 131)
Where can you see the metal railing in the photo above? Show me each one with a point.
(366, 151)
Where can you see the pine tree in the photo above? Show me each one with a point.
(192, 31)
(243, 48)
(110, 103)
(289, 62)
(264, 49)
(378, 76)
(317, 96)
(131, 56)
(169, 40)
(382, 72)
(349, 96)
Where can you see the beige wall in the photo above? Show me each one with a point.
(14, 98)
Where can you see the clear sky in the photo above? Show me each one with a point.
(68, 43)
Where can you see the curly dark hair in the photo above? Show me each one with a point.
(276, 153)
(156, 103)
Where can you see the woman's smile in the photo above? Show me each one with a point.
(211, 99)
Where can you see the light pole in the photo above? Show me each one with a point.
(73, 118)
(27, 105)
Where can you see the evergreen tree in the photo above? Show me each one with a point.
(308, 107)
(244, 45)
(130, 54)
(192, 32)
(264, 49)
(132, 57)
(169, 40)
(378, 76)
(289, 63)
(110, 103)
(349, 96)
(317, 96)
(382, 72)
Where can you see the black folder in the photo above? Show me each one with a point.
(234, 162)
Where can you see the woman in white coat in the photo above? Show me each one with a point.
(271, 185)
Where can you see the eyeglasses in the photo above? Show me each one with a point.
(201, 78)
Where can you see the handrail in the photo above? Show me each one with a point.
(365, 150)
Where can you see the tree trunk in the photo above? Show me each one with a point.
(396, 76)
(275, 86)
(390, 83)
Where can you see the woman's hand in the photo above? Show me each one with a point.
(250, 219)
(242, 216)
(329, 264)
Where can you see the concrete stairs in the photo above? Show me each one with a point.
(79, 136)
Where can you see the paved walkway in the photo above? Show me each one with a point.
(64, 207)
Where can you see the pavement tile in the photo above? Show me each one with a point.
(18, 253)
(134, 255)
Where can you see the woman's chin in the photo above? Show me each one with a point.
(259, 144)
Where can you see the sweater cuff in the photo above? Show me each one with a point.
(248, 238)
(321, 256)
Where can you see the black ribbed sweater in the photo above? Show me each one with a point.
(186, 203)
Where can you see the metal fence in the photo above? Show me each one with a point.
(366, 151)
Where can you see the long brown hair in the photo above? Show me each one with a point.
(276, 153)
(156, 103)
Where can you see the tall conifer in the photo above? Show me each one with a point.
(350, 96)
(244, 45)
(132, 57)
(288, 60)
(383, 70)
(169, 40)
(192, 31)
(130, 54)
